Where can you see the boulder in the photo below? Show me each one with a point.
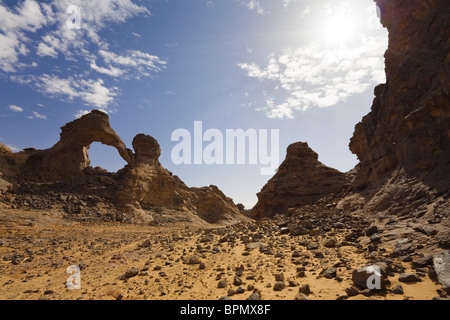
(369, 277)
(4, 185)
(441, 264)
(408, 277)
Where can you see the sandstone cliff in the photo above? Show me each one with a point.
(142, 191)
(403, 144)
(300, 180)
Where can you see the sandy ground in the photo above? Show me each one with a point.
(37, 247)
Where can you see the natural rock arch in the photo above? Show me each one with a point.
(69, 157)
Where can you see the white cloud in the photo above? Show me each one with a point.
(112, 71)
(95, 15)
(55, 86)
(81, 113)
(91, 92)
(39, 116)
(15, 108)
(286, 3)
(95, 93)
(254, 5)
(137, 62)
(59, 41)
(320, 76)
(45, 50)
(305, 12)
(13, 28)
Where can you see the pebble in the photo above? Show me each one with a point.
(398, 289)
(129, 274)
(301, 297)
(194, 260)
(278, 286)
(305, 289)
(222, 284)
(254, 297)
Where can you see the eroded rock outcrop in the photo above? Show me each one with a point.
(69, 157)
(139, 190)
(403, 144)
(300, 180)
(152, 186)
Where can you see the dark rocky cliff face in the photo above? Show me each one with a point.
(403, 144)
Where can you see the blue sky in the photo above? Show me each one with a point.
(305, 67)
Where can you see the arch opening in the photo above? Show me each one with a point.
(105, 157)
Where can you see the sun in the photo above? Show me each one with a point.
(339, 28)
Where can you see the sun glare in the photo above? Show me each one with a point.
(340, 28)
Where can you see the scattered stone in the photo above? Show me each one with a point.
(375, 238)
(371, 230)
(330, 243)
(330, 273)
(408, 277)
(231, 292)
(312, 246)
(398, 289)
(422, 262)
(297, 230)
(202, 266)
(129, 274)
(301, 297)
(254, 297)
(237, 281)
(305, 289)
(240, 290)
(278, 286)
(194, 260)
(279, 277)
(222, 284)
(368, 275)
(318, 255)
(292, 283)
(146, 244)
(352, 291)
(404, 247)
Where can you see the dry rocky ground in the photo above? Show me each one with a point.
(310, 253)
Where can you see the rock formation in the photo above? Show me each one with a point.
(300, 180)
(149, 184)
(403, 144)
(139, 190)
(69, 157)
